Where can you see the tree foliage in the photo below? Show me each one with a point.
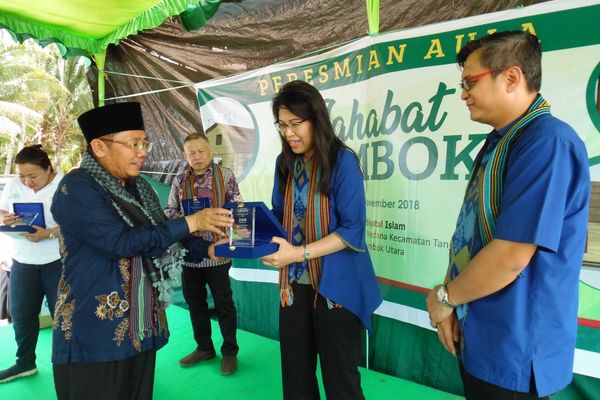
(41, 95)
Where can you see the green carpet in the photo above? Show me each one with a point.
(258, 375)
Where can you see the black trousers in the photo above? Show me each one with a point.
(476, 389)
(4, 288)
(335, 335)
(28, 285)
(128, 379)
(194, 281)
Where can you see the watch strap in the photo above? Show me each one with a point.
(444, 299)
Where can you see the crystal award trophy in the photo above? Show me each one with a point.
(253, 230)
(30, 213)
(191, 206)
(242, 233)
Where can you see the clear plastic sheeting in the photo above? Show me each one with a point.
(243, 36)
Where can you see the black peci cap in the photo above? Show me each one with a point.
(111, 118)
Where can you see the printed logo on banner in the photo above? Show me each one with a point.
(592, 97)
(232, 132)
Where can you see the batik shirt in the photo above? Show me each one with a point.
(91, 319)
(203, 189)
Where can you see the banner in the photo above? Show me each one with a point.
(395, 100)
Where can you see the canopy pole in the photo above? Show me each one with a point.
(100, 59)
(373, 16)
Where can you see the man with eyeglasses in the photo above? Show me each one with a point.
(508, 306)
(121, 257)
(204, 183)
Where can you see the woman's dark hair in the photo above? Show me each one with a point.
(305, 101)
(34, 155)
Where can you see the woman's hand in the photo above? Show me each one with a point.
(286, 254)
(39, 234)
(211, 250)
(10, 219)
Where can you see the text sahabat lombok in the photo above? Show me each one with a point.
(379, 159)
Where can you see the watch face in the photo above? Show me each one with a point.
(441, 294)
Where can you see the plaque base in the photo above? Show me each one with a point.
(16, 230)
(266, 226)
(261, 248)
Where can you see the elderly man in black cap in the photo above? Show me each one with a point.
(120, 259)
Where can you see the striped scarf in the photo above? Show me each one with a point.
(317, 227)
(143, 306)
(218, 188)
(491, 185)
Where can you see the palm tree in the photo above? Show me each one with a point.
(41, 94)
(12, 133)
(72, 97)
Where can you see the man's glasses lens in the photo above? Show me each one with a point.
(467, 83)
(464, 85)
(145, 145)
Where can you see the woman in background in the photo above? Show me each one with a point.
(327, 282)
(36, 265)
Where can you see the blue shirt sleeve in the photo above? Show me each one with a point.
(348, 193)
(536, 190)
(277, 197)
(83, 208)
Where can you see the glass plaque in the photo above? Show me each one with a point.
(30, 213)
(191, 206)
(254, 227)
(242, 233)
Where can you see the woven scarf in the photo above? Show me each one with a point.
(170, 262)
(317, 226)
(301, 182)
(218, 188)
(492, 183)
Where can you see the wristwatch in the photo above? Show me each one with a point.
(51, 236)
(306, 253)
(442, 295)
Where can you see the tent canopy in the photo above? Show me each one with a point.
(89, 25)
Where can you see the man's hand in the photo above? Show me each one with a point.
(286, 254)
(210, 219)
(437, 311)
(449, 333)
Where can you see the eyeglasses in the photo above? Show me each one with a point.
(143, 145)
(466, 83)
(282, 128)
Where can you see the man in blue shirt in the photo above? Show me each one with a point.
(508, 308)
(120, 258)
